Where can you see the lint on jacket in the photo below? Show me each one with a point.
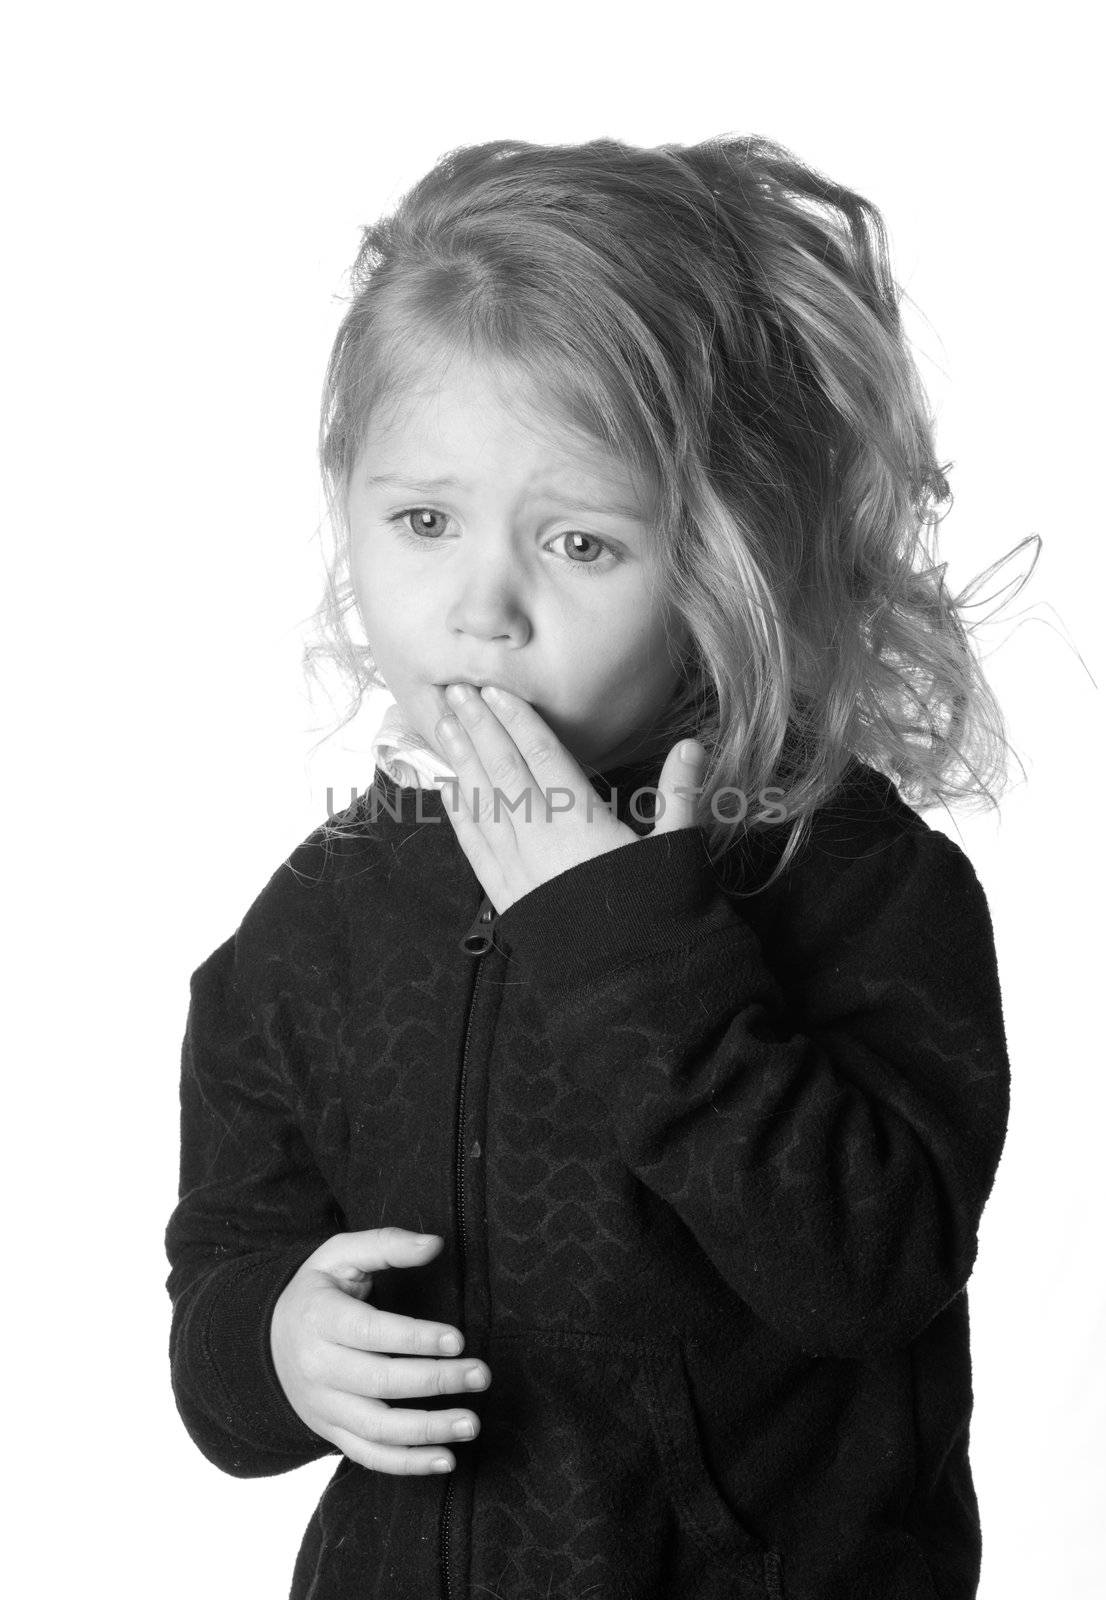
(709, 1170)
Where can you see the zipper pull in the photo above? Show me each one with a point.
(479, 939)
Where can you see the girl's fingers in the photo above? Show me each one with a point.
(391, 1458)
(482, 858)
(471, 787)
(357, 1326)
(372, 1249)
(484, 755)
(544, 757)
(507, 748)
(390, 1378)
(403, 1426)
(679, 784)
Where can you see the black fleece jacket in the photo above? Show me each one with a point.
(709, 1170)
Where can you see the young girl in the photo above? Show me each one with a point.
(633, 982)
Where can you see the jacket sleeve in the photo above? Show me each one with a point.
(832, 1159)
(252, 1207)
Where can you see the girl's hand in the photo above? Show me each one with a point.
(523, 808)
(340, 1362)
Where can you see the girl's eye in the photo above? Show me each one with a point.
(421, 534)
(589, 540)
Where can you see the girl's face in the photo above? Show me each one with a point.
(495, 550)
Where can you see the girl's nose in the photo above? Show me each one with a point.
(489, 604)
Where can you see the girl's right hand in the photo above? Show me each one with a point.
(329, 1353)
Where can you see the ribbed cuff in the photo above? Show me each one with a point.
(650, 897)
(236, 1344)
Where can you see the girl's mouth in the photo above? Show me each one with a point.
(475, 683)
(478, 684)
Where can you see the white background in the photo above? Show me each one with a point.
(183, 194)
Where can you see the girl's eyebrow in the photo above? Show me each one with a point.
(576, 503)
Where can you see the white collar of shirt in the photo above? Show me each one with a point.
(406, 757)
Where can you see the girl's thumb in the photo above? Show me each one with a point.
(680, 787)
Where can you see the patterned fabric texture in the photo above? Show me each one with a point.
(709, 1169)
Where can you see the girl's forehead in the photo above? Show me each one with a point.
(413, 405)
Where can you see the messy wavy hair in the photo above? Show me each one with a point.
(724, 319)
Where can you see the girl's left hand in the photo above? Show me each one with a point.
(523, 808)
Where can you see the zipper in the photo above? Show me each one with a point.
(480, 937)
(476, 942)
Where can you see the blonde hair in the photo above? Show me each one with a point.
(723, 318)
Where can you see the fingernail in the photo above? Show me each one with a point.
(475, 1379)
(440, 1464)
(450, 1344)
(691, 753)
(463, 1430)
